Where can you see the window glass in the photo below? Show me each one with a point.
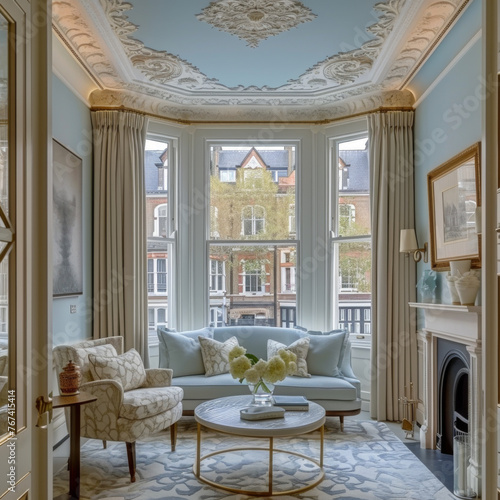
(159, 226)
(252, 216)
(351, 227)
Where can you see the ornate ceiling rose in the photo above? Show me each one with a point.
(255, 20)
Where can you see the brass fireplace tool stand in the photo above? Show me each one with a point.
(409, 411)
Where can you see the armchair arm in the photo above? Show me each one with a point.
(99, 419)
(158, 377)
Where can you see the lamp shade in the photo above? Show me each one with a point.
(408, 241)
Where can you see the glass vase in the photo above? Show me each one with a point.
(262, 393)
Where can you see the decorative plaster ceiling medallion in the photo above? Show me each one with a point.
(255, 20)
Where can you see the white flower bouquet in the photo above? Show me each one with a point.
(259, 373)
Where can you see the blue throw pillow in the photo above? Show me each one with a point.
(181, 351)
(326, 353)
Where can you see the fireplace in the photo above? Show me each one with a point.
(450, 361)
(453, 362)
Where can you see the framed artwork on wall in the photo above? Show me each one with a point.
(67, 222)
(454, 191)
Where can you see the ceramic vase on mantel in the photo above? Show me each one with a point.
(459, 267)
(455, 299)
(262, 393)
(467, 287)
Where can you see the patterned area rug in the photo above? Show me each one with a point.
(366, 461)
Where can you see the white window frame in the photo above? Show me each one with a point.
(254, 218)
(261, 275)
(229, 175)
(351, 216)
(218, 276)
(157, 217)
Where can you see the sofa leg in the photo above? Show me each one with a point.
(104, 444)
(173, 435)
(131, 460)
(341, 423)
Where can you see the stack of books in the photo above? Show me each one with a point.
(297, 403)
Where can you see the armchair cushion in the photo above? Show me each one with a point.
(300, 348)
(128, 369)
(82, 354)
(215, 355)
(143, 403)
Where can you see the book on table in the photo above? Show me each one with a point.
(298, 403)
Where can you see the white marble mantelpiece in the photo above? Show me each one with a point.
(458, 323)
(461, 324)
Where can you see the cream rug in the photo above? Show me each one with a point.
(366, 461)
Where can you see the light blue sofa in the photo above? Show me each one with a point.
(332, 384)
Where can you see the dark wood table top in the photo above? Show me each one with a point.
(77, 399)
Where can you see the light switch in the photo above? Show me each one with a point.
(72, 309)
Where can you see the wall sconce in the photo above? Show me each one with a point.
(408, 244)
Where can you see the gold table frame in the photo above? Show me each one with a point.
(271, 449)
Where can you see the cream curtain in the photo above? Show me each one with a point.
(394, 353)
(120, 281)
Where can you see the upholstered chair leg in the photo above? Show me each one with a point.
(131, 460)
(341, 423)
(104, 444)
(173, 435)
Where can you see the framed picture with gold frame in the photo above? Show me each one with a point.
(454, 191)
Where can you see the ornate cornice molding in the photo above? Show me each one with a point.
(112, 99)
(440, 16)
(345, 84)
(255, 20)
(79, 35)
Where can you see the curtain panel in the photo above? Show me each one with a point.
(394, 345)
(120, 255)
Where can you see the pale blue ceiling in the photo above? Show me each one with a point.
(171, 25)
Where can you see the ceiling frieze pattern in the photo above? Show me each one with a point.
(165, 68)
(160, 78)
(255, 20)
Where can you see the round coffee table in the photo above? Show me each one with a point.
(223, 415)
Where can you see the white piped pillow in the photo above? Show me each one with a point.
(215, 354)
(300, 348)
(128, 369)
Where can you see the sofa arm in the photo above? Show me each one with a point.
(158, 377)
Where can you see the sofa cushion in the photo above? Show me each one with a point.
(300, 348)
(181, 352)
(128, 369)
(215, 355)
(147, 402)
(325, 354)
(315, 388)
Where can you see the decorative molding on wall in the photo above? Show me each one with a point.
(99, 35)
(109, 99)
(439, 16)
(255, 20)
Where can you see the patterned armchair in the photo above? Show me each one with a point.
(120, 414)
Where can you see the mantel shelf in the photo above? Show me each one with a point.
(445, 307)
